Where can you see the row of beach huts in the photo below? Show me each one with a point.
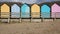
(11, 10)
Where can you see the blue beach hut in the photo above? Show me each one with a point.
(45, 11)
(15, 11)
(25, 11)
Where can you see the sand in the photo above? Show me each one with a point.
(31, 28)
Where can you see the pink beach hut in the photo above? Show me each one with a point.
(55, 11)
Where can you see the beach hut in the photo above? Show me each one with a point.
(45, 11)
(15, 11)
(55, 11)
(5, 11)
(35, 11)
(25, 11)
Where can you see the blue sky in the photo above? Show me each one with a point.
(28, 1)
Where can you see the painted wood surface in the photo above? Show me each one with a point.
(5, 10)
(45, 11)
(55, 12)
(15, 11)
(35, 11)
(25, 11)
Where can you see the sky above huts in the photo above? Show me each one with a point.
(29, 1)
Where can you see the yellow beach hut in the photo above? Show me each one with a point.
(5, 10)
(35, 11)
